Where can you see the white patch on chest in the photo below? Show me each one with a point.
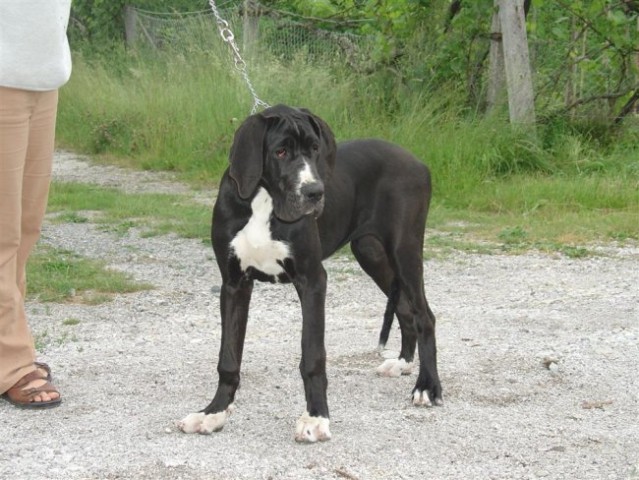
(253, 245)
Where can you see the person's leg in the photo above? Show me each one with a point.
(27, 130)
(35, 192)
(36, 178)
(16, 344)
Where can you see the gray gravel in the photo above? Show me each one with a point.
(538, 358)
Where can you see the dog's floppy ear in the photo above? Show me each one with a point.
(328, 148)
(247, 156)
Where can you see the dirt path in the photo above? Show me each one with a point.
(538, 356)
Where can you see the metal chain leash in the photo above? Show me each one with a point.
(240, 64)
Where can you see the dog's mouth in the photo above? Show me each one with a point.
(317, 209)
(297, 208)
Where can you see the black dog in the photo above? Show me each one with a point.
(290, 199)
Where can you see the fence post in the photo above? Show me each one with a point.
(251, 25)
(130, 25)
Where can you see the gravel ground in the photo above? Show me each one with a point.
(538, 357)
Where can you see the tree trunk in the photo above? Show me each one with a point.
(517, 62)
(570, 93)
(496, 80)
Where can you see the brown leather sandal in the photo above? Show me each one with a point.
(23, 397)
(46, 368)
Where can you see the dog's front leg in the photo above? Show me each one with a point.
(234, 305)
(313, 425)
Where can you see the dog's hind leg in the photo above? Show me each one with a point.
(389, 314)
(372, 257)
(428, 390)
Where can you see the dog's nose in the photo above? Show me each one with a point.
(313, 192)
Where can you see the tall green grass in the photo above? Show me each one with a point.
(178, 111)
(164, 116)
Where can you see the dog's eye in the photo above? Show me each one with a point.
(315, 147)
(280, 152)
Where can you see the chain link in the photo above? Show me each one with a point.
(240, 64)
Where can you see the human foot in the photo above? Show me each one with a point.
(33, 391)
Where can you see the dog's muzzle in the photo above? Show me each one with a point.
(313, 198)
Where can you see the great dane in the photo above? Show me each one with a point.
(289, 199)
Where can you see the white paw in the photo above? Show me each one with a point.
(420, 399)
(205, 424)
(311, 429)
(395, 367)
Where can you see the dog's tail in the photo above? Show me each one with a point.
(389, 314)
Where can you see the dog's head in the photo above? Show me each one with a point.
(290, 152)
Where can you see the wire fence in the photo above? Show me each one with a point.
(272, 33)
(264, 34)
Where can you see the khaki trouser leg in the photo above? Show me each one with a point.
(27, 133)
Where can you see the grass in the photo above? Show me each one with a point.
(544, 221)
(62, 276)
(152, 116)
(496, 189)
(572, 183)
(562, 210)
(155, 214)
